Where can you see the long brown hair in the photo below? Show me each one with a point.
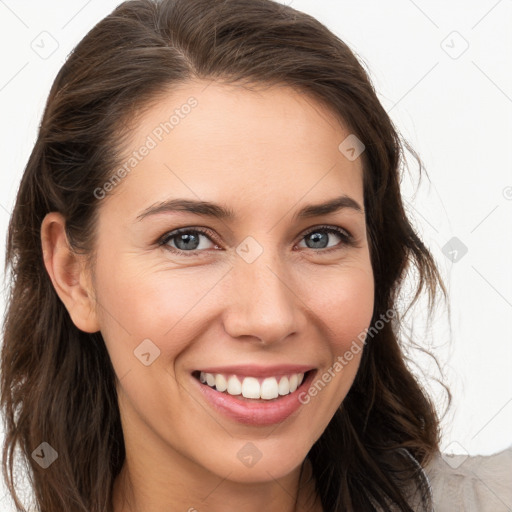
(58, 384)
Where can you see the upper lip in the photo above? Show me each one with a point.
(258, 371)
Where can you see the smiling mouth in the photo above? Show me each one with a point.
(253, 389)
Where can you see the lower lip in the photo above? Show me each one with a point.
(255, 413)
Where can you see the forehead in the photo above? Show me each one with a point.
(212, 141)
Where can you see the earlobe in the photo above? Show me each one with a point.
(68, 273)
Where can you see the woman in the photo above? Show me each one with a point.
(206, 252)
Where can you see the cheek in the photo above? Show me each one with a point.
(137, 303)
(344, 306)
(133, 296)
(344, 303)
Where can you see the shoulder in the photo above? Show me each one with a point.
(481, 483)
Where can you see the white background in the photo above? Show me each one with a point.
(452, 103)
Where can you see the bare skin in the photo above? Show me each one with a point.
(265, 155)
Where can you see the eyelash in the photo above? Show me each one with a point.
(346, 237)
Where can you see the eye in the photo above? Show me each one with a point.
(186, 240)
(319, 238)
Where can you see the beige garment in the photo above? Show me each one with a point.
(481, 483)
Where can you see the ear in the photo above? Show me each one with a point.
(68, 273)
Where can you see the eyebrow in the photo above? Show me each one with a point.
(218, 211)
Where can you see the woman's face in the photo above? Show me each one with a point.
(254, 299)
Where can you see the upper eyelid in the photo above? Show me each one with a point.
(326, 227)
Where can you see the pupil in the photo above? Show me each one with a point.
(186, 238)
(316, 239)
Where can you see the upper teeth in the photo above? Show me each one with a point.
(251, 387)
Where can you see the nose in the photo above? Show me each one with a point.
(264, 302)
